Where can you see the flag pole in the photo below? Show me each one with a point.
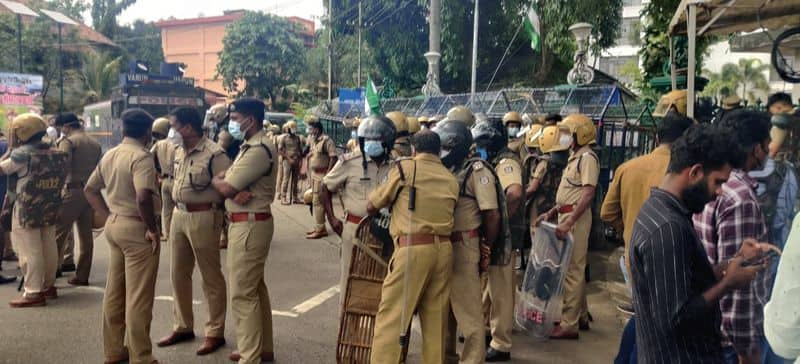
(474, 53)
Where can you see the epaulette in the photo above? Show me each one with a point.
(477, 166)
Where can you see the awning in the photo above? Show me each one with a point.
(723, 17)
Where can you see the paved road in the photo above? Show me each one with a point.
(302, 276)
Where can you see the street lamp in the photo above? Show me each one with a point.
(60, 19)
(19, 10)
(581, 73)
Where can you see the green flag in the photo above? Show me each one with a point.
(372, 100)
(532, 27)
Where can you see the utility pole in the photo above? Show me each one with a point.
(474, 53)
(358, 76)
(330, 50)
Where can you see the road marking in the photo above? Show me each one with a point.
(317, 300)
(284, 314)
(172, 299)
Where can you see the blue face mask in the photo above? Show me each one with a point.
(236, 130)
(353, 135)
(373, 148)
(482, 153)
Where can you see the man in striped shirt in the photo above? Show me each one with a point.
(734, 217)
(675, 288)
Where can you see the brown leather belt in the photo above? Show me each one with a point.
(422, 239)
(71, 185)
(320, 170)
(166, 176)
(459, 236)
(194, 207)
(355, 219)
(245, 216)
(565, 209)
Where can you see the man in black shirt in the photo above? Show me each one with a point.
(675, 289)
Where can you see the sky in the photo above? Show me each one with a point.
(153, 10)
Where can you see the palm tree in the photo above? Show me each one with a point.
(100, 74)
(752, 74)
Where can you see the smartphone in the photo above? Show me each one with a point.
(771, 254)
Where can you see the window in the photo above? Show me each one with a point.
(630, 32)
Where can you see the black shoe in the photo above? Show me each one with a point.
(494, 356)
(11, 258)
(488, 340)
(461, 339)
(68, 267)
(583, 325)
(4, 279)
(625, 308)
(59, 273)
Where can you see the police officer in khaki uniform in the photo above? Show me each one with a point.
(39, 177)
(249, 188)
(491, 144)
(197, 224)
(419, 280)
(164, 153)
(290, 149)
(83, 154)
(354, 183)
(413, 125)
(321, 158)
(546, 176)
(402, 145)
(512, 121)
(477, 223)
(128, 174)
(574, 207)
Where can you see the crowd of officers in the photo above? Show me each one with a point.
(459, 190)
(462, 191)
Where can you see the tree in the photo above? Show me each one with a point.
(105, 13)
(100, 74)
(261, 53)
(747, 75)
(141, 41)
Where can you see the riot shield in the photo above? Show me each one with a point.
(539, 300)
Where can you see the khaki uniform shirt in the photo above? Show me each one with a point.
(479, 195)
(346, 177)
(125, 169)
(509, 171)
(437, 193)
(321, 152)
(249, 173)
(577, 176)
(540, 170)
(291, 144)
(164, 152)
(83, 154)
(195, 169)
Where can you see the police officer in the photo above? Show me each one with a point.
(214, 120)
(402, 146)
(197, 224)
(352, 144)
(39, 177)
(424, 122)
(533, 157)
(164, 153)
(354, 183)
(460, 113)
(321, 158)
(477, 223)
(491, 145)
(422, 194)
(512, 121)
(290, 149)
(127, 173)
(249, 188)
(546, 176)
(573, 205)
(83, 154)
(413, 125)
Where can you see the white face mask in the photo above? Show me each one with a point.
(444, 153)
(565, 140)
(174, 137)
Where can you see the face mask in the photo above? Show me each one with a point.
(353, 135)
(444, 153)
(565, 140)
(236, 130)
(482, 153)
(52, 133)
(512, 132)
(174, 137)
(559, 158)
(373, 148)
(696, 196)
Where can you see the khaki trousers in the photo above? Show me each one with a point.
(37, 254)
(167, 205)
(319, 211)
(76, 211)
(290, 176)
(348, 238)
(466, 312)
(195, 238)
(130, 290)
(575, 282)
(248, 248)
(279, 178)
(427, 294)
(498, 297)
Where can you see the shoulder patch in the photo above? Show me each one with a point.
(508, 169)
(484, 180)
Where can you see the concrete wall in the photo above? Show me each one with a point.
(198, 46)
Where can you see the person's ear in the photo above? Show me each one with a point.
(696, 173)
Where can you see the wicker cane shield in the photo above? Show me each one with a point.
(362, 297)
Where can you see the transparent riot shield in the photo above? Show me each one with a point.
(539, 300)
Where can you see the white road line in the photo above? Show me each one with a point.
(172, 299)
(284, 314)
(315, 301)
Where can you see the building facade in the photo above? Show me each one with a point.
(625, 52)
